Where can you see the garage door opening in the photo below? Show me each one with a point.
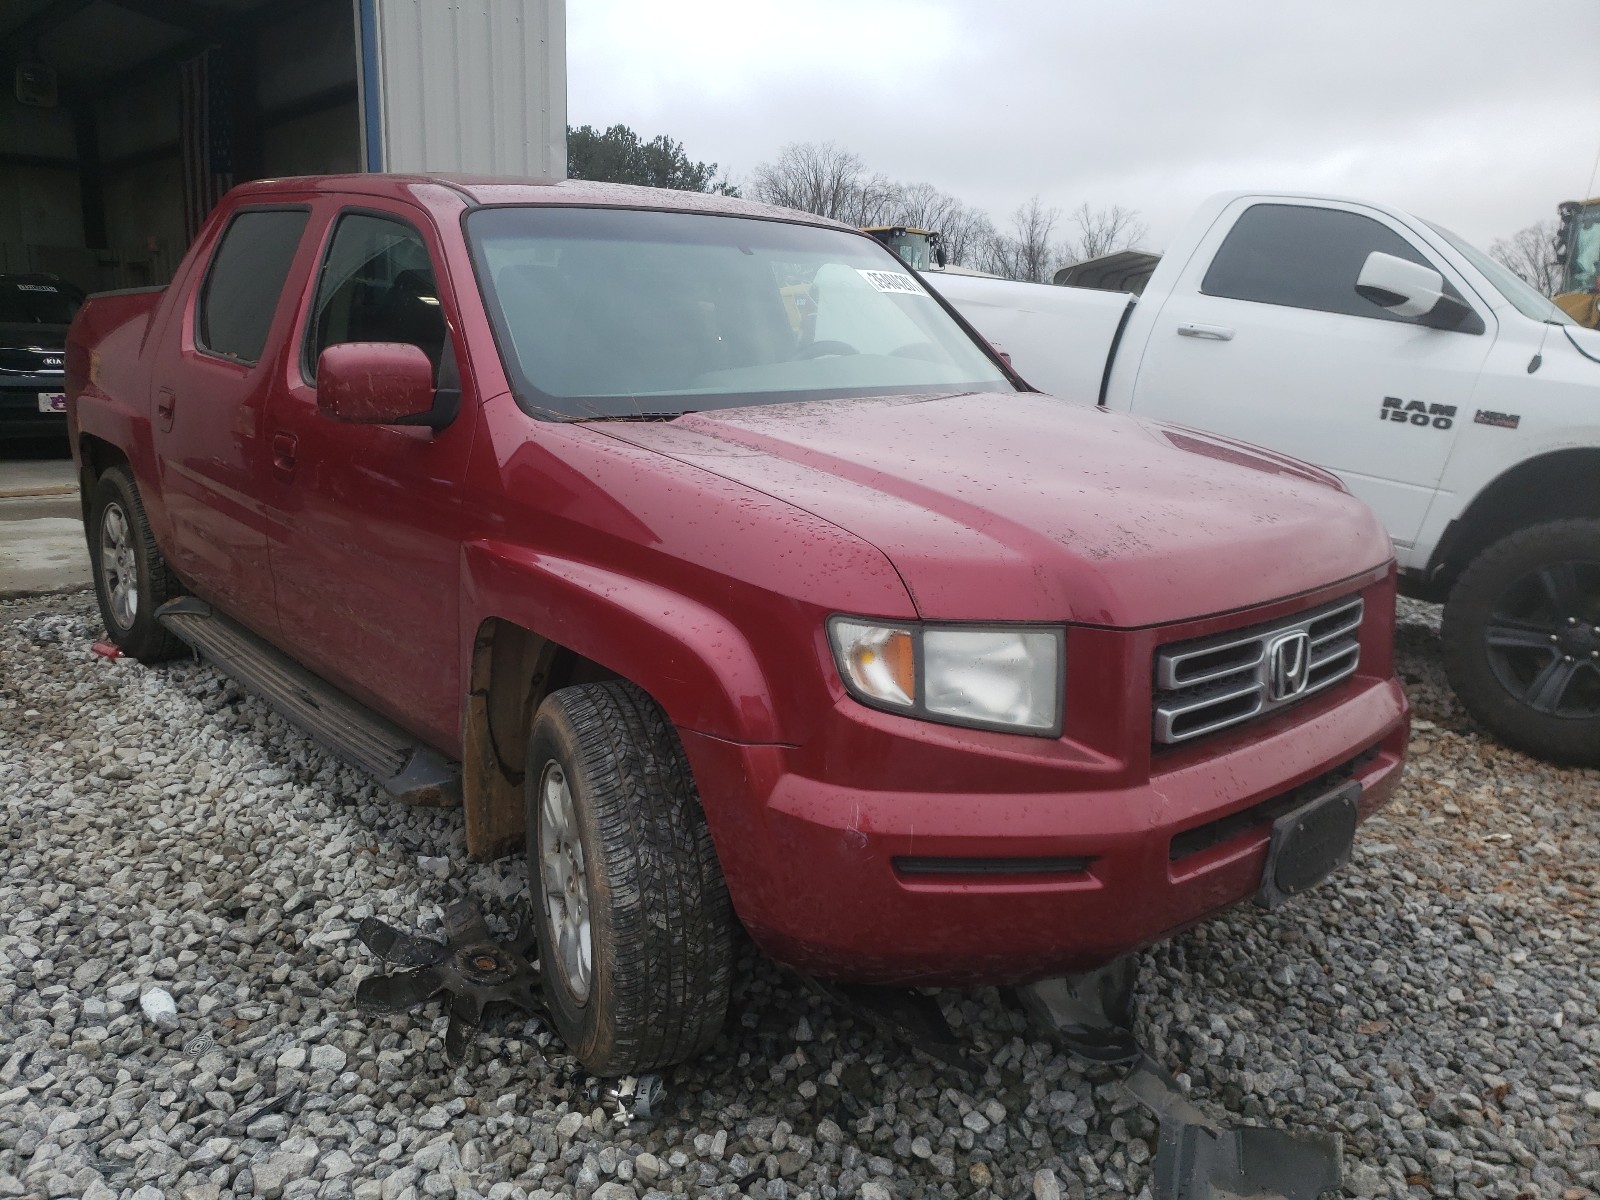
(123, 121)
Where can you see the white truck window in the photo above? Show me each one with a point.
(1302, 257)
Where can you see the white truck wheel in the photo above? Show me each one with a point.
(1522, 640)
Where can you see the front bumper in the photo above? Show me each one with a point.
(894, 851)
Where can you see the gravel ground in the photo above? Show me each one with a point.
(1435, 1002)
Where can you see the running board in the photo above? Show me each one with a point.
(406, 768)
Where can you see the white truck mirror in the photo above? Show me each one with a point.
(1406, 289)
(1410, 289)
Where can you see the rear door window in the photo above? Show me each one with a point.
(1301, 257)
(245, 281)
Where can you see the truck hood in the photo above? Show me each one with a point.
(1026, 508)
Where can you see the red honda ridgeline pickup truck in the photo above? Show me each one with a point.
(697, 543)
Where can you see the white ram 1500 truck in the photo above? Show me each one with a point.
(1459, 403)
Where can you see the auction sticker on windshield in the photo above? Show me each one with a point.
(892, 281)
(53, 402)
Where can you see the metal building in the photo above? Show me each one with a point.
(123, 121)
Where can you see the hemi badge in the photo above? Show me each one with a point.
(1500, 420)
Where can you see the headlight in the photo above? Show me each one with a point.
(994, 677)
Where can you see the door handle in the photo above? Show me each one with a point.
(1210, 333)
(166, 404)
(283, 448)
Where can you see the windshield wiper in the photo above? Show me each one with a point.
(638, 416)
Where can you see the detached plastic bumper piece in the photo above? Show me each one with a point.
(1091, 1016)
(1197, 1160)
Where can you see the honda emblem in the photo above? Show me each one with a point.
(1288, 665)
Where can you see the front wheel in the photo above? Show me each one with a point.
(635, 931)
(1521, 638)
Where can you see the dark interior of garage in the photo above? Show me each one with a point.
(122, 122)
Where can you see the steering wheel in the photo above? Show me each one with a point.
(822, 349)
(923, 350)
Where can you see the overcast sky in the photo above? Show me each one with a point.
(1479, 114)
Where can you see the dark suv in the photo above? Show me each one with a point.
(35, 311)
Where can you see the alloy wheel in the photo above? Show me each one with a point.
(1543, 640)
(119, 568)
(566, 886)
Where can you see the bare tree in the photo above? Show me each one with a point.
(1529, 254)
(1102, 231)
(826, 179)
(1026, 252)
(966, 232)
(822, 178)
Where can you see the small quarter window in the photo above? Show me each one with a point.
(245, 281)
(377, 285)
(1303, 257)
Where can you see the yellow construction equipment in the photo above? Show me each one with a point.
(922, 250)
(1578, 251)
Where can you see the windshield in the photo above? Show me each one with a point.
(1583, 259)
(37, 302)
(915, 248)
(1524, 297)
(622, 312)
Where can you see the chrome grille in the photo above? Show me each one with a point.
(31, 360)
(1212, 683)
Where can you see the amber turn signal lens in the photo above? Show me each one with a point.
(891, 662)
(878, 661)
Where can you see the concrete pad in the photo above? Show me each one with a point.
(37, 477)
(41, 547)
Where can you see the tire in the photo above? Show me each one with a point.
(660, 929)
(1521, 638)
(131, 579)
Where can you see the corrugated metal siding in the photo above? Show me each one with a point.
(474, 87)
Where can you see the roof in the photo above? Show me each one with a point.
(491, 190)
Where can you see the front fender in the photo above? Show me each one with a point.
(692, 659)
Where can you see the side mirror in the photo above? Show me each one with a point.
(1410, 289)
(378, 383)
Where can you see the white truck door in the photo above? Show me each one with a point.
(1264, 338)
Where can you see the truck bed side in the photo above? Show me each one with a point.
(110, 348)
(1060, 338)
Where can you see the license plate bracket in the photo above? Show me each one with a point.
(1309, 843)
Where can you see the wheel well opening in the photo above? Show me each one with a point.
(513, 670)
(96, 456)
(1548, 488)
